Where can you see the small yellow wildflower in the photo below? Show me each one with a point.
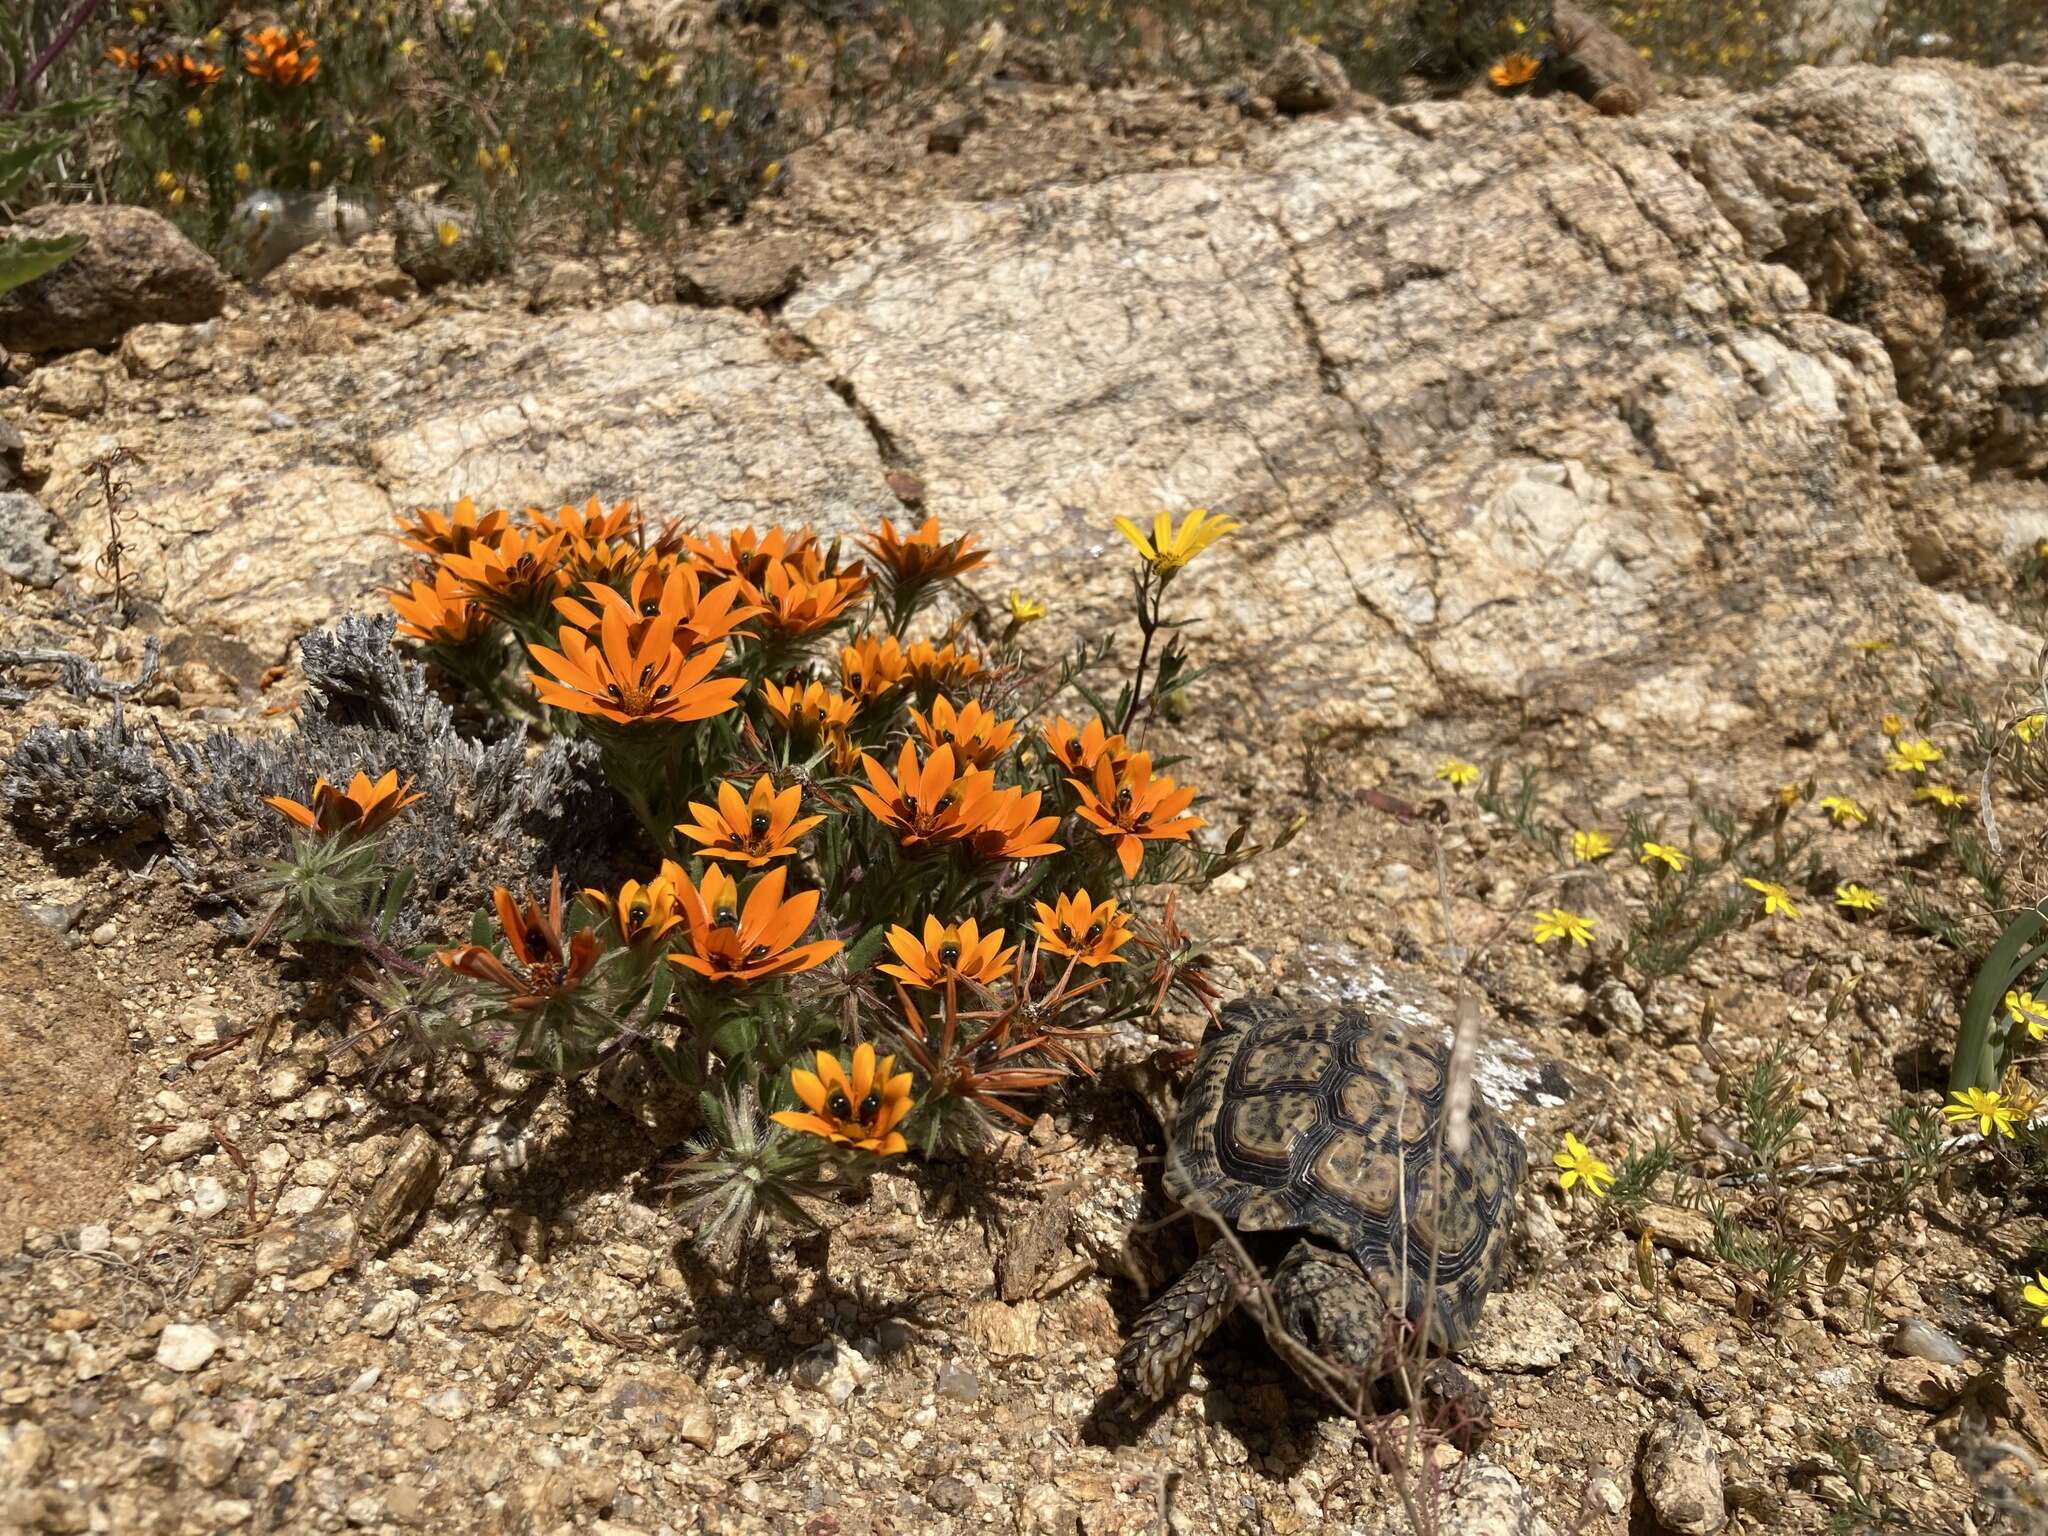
(494, 61)
(1843, 811)
(1874, 646)
(774, 170)
(2029, 726)
(165, 180)
(1857, 898)
(483, 158)
(2036, 1295)
(1912, 756)
(1776, 898)
(1576, 1163)
(1943, 795)
(376, 143)
(1456, 772)
(1891, 725)
(241, 173)
(447, 232)
(405, 48)
(1662, 853)
(1591, 846)
(1791, 794)
(194, 117)
(312, 170)
(1560, 924)
(723, 121)
(1993, 1115)
(504, 154)
(1025, 610)
(1169, 548)
(2029, 1010)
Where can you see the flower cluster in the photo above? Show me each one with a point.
(850, 839)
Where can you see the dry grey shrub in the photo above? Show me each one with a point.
(497, 811)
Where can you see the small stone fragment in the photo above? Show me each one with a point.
(26, 552)
(1489, 1501)
(186, 1346)
(1304, 79)
(208, 1453)
(308, 1253)
(1681, 1476)
(404, 1189)
(187, 1140)
(834, 1368)
(1921, 1383)
(1923, 1341)
(1034, 1242)
(71, 1320)
(1005, 1331)
(1521, 1331)
(1676, 1228)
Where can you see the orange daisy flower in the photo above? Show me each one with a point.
(793, 604)
(1088, 932)
(924, 805)
(1514, 69)
(1131, 808)
(641, 913)
(543, 965)
(757, 830)
(1007, 824)
(869, 668)
(976, 736)
(516, 575)
(435, 533)
(628, 683)
(923, 557)
(1079, 753)
(439, 613)
(601, 562)
(590, 522)
(657, 589)
(861, 1109)
(361, 809)
(731, 943)
(128, 59)
(282, 58)
(746, 553)
(809, 712)
(190, 72)
(942, 667)
(958, 950)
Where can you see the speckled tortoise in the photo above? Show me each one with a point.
(1313, 1133)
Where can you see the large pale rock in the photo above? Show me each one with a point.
(1518, 407)
(135, 266)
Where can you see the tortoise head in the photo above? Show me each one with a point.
(1329, 1308)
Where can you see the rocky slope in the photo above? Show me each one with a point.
(1603, 438)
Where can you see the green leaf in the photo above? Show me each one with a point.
(18, 161)
(23, 261)
(394, 899)
(862, 952)
(51, 114)
(1982, 1048)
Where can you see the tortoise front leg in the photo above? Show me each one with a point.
(1179, 1323)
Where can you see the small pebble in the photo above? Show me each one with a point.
(104, 935)
(1923, 1341)
(186, 1346)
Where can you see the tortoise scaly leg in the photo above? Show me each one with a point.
(1178, 1323)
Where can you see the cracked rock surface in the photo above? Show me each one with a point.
(1517, 404)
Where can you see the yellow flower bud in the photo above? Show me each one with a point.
(447, 233)
(192, 117)
(376, 142)
(494, 61)
(241, 173)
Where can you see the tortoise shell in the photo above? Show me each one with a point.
(1323, 1120)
